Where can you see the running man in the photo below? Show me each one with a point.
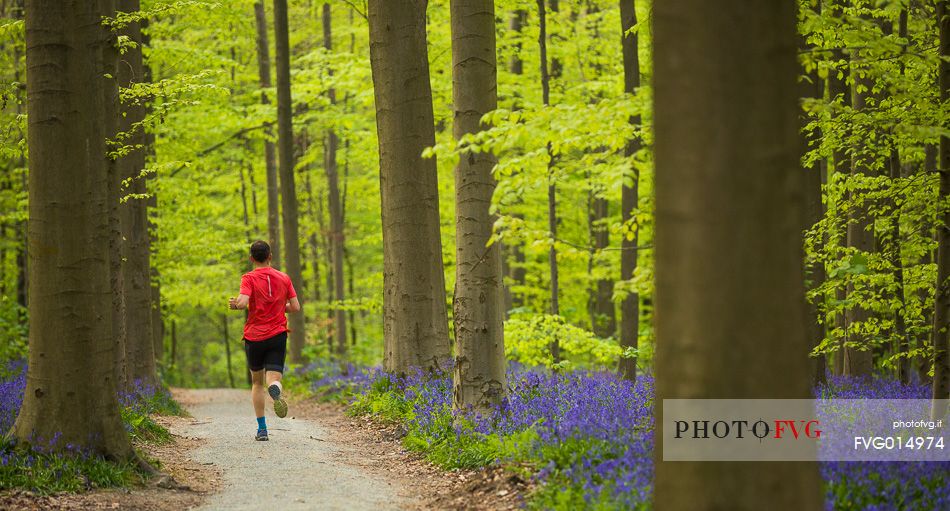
(266, 293)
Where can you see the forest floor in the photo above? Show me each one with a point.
(316, 458)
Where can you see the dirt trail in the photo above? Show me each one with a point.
(301, 468)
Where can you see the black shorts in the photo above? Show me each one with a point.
(267, 354)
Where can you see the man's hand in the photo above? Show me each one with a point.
(292, 305)
(239, 302)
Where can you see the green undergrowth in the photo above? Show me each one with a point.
(452, 442)
(68, 469)
(26, 468)
(143, 428)
(449, 445)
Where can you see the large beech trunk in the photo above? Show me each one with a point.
(479, 301)
(70, 392)
(415, 325)
(729, 290)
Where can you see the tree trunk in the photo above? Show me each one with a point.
(479, 310)
(133, 217)
(629, 196)
(174, 341)
(811, 87)
(325, 234)
(838, 87)
(415, 323)
(336, 212)
(941, 382)
(600, 304)
(603, 319)
(123, 356)
(288, 193)
(729, 291)
(556, 67)
(900, 327)
(70, 392)
(151, 204)
(858, 355)
(227, 347)
(22, 249)
(929, 257)
(552, 183)
(263, 69)
(312, 239)
(516, 267)
(246, 216)
(346, 253)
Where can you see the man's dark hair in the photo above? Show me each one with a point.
(260, 251)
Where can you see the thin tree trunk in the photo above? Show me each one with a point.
(22, 250)
(556, 67)
(288, 193)
(838, 87)
(174, 340)
(227, 347)
(151, 205)
(900, 327)
(125, 355)
(929, 257)
(246, 216)
(941, 381)
(516, 66)
(630, 196)
(858, 354)
(346, 253)
(512, 252)
(729, 293)
(352, 314)
(478, 313)
(273, 204)
(71, 307)
(415, 324)
(325, 232)
(811, 87)
(325, 235)
(552, 184)
(333, 198)
(601, 307)
(603, 319)
(312, 239)
(133, 217)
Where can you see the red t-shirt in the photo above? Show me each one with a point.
(269, 290)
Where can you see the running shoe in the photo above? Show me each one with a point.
(261, 435)
(280, 406)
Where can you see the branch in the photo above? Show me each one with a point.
(357, 9)
(217, 146)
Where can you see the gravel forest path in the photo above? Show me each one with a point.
(301, 467)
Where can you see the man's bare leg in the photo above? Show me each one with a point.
(257, 399)
(274, 388)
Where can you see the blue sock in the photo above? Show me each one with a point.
(261, 424)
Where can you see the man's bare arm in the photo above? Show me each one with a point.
(239, 303)
(293, 305)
